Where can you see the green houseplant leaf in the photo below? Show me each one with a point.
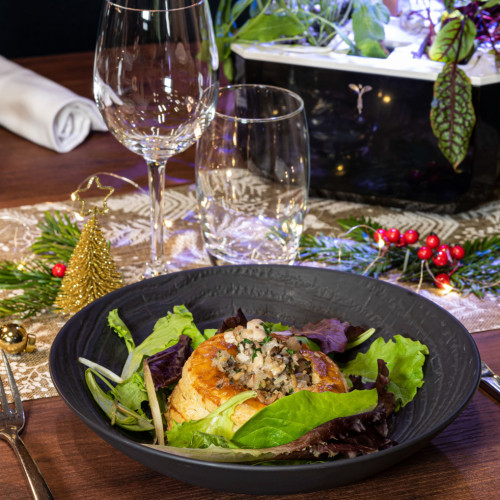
(368, 19)
(452, 114)
(269, 28)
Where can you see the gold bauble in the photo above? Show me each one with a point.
(14, 339)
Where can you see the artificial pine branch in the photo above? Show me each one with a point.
(477, 273)
(39, 288)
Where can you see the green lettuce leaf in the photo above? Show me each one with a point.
(208, 333)
(217, 423)
(276, 327)
(166, 333)
(116, 412)
(132, 392)
(291, 417)
(218, 453)
(204, 440)
(360, 339)
(405, 359)
(119, 327)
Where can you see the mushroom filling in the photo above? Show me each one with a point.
(270, 365)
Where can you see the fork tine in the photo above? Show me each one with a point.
(13, 389)
(3, 396)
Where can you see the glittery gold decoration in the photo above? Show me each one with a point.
(95, 210)
(91, 271)
(14, 339)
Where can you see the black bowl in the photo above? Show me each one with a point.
(294, 296)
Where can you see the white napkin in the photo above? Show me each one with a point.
(43, 111)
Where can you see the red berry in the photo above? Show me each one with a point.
(444, 248)
(440, 259)
(380, 234)
(432, 240)
(442, 280)
(457, 252)
(402, 241)
(424, 253)
(59, 270)
(411, 236)
(393, 235)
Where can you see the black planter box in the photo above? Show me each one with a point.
(387, 154)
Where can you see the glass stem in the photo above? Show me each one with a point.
(156, 181)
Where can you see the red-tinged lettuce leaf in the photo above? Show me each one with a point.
(385, 398)
(233, 321)
(332, 335)
(452, 113)
(166, 366)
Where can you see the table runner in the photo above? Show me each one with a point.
(127, 228)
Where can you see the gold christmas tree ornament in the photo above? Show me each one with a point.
(91, 271)
(14, 339)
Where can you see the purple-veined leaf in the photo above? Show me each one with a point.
(454, 40)
(452, 114)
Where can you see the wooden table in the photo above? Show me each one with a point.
(461, 463)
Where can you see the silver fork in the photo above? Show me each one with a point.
(11, 424)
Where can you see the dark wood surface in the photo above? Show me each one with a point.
(463, 462)
(31, 173)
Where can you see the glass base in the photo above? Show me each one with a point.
(218, 258)
(153, 270)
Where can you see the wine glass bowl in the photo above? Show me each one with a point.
(156, 86)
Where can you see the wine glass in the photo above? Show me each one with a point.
(156, 86)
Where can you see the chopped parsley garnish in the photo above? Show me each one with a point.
(255, 353)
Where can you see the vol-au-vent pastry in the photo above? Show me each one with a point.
(249, 358)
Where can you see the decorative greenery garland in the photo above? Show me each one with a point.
(477, 272)
(39, 279)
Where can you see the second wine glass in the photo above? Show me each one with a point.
(156, 86)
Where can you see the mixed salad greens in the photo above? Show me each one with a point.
(303, 426)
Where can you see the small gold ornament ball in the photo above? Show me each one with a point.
(14, 339)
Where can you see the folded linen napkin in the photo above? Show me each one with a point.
(43, 111)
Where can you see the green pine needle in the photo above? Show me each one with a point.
(58, 238)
